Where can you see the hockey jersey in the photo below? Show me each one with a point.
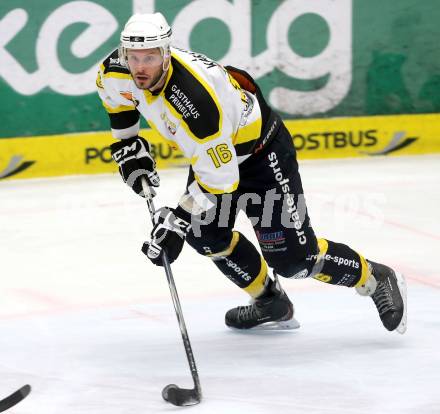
(215, 115)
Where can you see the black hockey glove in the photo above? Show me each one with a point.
(135, 161)
(169, 232)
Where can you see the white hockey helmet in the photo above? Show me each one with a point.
(145, 31)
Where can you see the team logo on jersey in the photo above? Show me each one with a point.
(15, 166)
(115, 62)
(171, 126)
(248, 101)
(129, 96)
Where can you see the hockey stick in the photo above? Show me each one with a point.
(15, 398)
(172, 392)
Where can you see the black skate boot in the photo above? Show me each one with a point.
(388, 291)
(271, 310)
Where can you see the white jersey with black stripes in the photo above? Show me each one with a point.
(201, 109)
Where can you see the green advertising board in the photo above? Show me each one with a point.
(319, 58)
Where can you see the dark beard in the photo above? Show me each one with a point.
(156, 79)
(152, 83)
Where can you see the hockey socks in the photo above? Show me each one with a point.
(338, 264)
(242, 264)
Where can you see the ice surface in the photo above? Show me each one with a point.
(89, 323)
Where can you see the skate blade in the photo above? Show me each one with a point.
(401, 283)
(277, 326)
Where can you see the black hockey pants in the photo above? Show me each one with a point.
(270, 193)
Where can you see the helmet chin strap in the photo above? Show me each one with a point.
(165, 66)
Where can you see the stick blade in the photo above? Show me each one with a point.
(175, 395)
(15, 398)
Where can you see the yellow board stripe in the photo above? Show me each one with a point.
(81, 153)
(88, 153)
(257, 285)
(364, 136)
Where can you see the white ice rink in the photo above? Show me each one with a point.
(89, 323)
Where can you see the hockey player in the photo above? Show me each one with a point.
(242, 158)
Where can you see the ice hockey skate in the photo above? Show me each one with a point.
(271, 311)
(388, 291)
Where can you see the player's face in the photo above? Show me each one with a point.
(145, 66)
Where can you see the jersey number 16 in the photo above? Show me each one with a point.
(220, 155)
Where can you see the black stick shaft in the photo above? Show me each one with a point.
(175, 298)
(14, 398)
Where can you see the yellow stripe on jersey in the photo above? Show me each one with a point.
(213, 190)
(248, 133)
(118, 75)
(214, 98)
(118, 109)
(194, 159)
(257, 285)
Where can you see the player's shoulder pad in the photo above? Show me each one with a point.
(193, 100)
(112, 64)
